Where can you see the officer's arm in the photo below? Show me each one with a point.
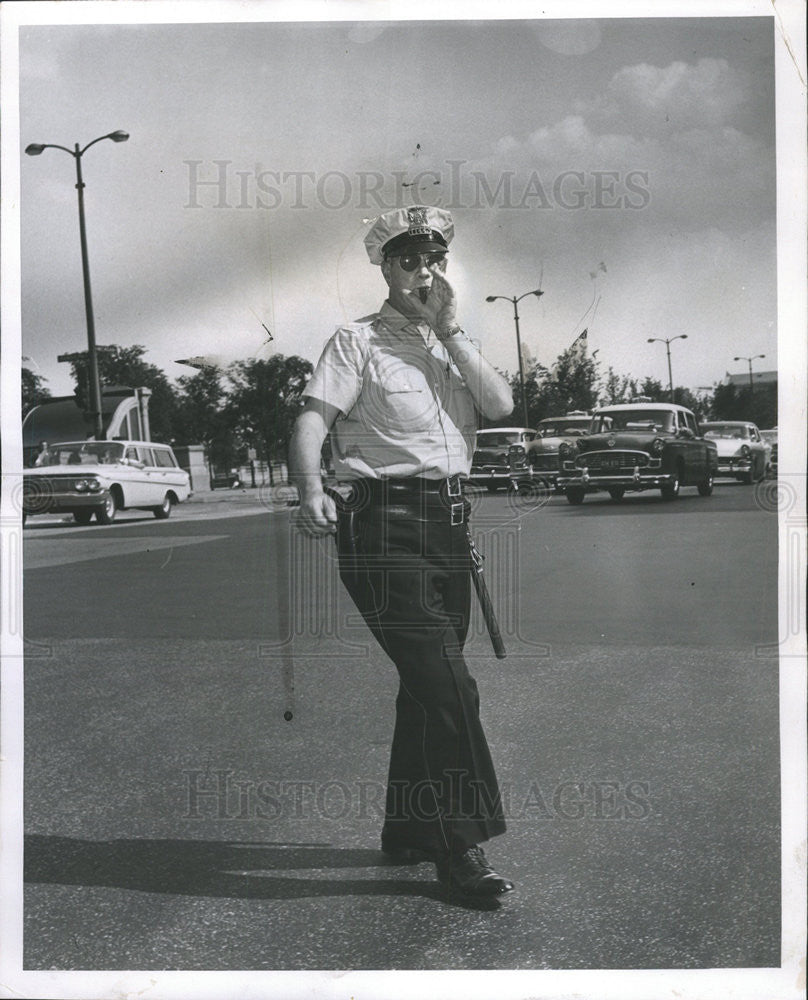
(492, 394)
(317, 515)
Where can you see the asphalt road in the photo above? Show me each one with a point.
(176, 820)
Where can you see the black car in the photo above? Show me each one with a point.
(638, 446)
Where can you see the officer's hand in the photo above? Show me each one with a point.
(440, 308)
(317, 515)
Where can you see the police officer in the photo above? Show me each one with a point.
(399, 391)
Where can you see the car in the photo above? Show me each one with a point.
(742, 452)
(490, 465)
(99, 478)
(632, 447)
(770, 437)
(542, 451)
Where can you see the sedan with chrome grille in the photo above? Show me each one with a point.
(99, 478)
(743, 453)
(638, 446)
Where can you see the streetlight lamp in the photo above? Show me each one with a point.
(750, 360)
(34, 149)
(667, 341)
(492, 298)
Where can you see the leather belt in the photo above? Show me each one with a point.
(446, 494)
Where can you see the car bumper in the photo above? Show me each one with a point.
(734, 466)
(62, 503)
(481, 477)
(548, 475)
(631, 481)
(477, 478)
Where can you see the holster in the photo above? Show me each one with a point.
(348, 538)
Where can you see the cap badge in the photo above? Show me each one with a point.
(418, 225)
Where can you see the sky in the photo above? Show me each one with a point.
(624, 166)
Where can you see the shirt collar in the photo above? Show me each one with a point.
(398, 323)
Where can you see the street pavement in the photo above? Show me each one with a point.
(177, 817)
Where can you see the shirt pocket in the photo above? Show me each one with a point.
(402, 403)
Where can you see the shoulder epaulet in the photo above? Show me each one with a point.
(359, 326)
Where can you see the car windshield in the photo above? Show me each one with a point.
(557, 428)
(85, 453)
(500, 439)
(726, 431)
(633, 420)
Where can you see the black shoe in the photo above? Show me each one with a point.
(400, 854)
(470, 874)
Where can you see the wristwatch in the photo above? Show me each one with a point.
(453, 331)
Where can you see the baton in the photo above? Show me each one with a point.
(485, 598)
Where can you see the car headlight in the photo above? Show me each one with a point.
(80, 486)
(565, 450)
(93, 486)
(657, 445)
(745, 451)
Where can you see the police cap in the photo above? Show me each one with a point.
(417, 229)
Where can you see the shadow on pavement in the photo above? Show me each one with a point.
(219, 869)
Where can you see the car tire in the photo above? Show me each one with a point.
(706, 487)
(670, 491)
(83, 516)
(105, 514)
(617, 493)
(575, 495)
(746, 479)
(163, 511)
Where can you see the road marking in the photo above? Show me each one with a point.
(35, 557)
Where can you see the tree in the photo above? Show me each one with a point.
(264, 401)
(758, 405)
(574, 376)
(698, 404)
(201, 416)
(652, 388)
(124, 366)
(570, 385)
(33, 390)
(617, 388)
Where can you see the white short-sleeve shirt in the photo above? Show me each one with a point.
(404, 407)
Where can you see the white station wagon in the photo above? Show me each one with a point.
(86, 478)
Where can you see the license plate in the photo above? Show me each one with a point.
(610, 463)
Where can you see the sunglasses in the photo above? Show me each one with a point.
(412, 261)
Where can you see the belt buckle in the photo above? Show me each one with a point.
(456, 512)
(453, 487)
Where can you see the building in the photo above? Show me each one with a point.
(124, 415)
(741, 380)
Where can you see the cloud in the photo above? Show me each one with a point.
(672, 129)
(646, 98)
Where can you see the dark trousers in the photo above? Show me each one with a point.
(409, 576)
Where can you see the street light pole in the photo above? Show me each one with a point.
(750, 360)
(34, 149)
(492, 298)
(667, 342)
